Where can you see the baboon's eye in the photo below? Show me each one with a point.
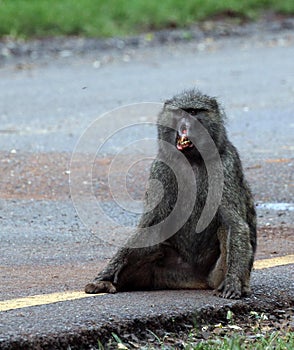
(194, 111)
(191, 111)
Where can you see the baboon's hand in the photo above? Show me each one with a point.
(230, 288)
(100, 287)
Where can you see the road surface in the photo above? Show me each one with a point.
(46, 247)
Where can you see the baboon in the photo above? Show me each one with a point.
(219, 256)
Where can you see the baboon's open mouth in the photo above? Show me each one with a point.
(183, 142)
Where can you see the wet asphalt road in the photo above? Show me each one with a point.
(44, 108)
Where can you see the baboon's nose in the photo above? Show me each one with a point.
(183, 131)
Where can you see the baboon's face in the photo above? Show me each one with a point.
(191, 130)
(188, 129)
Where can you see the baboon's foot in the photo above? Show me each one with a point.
(100, 287)
(230, 288)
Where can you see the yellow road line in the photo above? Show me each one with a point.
(278, 160)
(281, 260)
(43, 299)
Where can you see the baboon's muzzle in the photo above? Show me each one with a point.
(183, 142)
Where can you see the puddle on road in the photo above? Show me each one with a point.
(276, 206)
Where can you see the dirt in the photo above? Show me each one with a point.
(46, 176)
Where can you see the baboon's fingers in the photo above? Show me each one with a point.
(230, 289)
(100, 287)
(231, 293)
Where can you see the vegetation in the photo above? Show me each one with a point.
(255, 330)
(273, 341)
(104, 18)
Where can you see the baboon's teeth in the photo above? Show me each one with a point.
(183, 142)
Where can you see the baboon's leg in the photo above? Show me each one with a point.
(218, 273)
(239, 257)
(129, 269)
(162, 269)
(217, 276)
(246, 290)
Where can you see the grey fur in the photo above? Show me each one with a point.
(221, 255)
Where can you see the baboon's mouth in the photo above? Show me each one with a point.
(183, 142)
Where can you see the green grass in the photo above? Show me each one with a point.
(272, 342)
(254, 331)
(104, 18)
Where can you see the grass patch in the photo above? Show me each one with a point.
(258, 331)
(274, 341)
(105, 18)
